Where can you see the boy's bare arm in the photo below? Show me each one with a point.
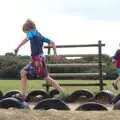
(57, 57)
(52, 44)
(20, 45)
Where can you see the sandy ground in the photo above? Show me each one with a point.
(17, 114)
(52, 114)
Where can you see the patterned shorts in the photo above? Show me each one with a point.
(31, 71)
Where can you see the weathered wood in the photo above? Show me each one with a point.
(74, 74)
(76, 55)
(100, 64)
(75, 65)
(78, 75)
(77, 84)
(68, 46)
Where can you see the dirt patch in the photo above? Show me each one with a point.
(16, 114)
(52, 114)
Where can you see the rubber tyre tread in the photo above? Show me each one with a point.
(13, 102)
(11, 93)
(35, 93)
(76, 94)
(91, 106)
(51, 103)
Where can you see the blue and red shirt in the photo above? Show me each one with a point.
(116, 57)
(36, 42)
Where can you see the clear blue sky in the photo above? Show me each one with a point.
(64, 21)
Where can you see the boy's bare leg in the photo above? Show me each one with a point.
(115, 83)
(53, 83)
(117, 80)
(24, 84)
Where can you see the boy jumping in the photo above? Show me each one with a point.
(38, 66)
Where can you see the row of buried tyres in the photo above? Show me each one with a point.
(51, 100)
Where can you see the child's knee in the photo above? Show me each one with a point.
(23, 73)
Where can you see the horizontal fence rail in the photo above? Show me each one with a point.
(71, 46)
(75, 74)
(98, 65)
(78, 84)
(74, 65)
(76, 55)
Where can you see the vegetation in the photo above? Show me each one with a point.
(6, 85)
(10, 65)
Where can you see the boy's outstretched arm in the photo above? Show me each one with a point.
(20, 45)
(57, 57)
(52, 44)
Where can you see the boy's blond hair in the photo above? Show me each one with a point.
(28, 25)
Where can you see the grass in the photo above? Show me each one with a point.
(6, 85)
(16, 114)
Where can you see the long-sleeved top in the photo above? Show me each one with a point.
(116, 58)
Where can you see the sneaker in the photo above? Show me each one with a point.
(115, 86)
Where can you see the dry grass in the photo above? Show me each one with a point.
(16, 114)
(52, 114)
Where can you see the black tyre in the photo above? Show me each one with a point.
(36, 95)
(1, 95)
(116, 99)
(105, 96)
(13, 103)
(91, 106)
(51, 103)
(53, 92)
(79, 94)
(12, 93)
(116, 106)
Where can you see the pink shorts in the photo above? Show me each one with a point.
(32, 70)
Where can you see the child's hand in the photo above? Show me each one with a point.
(52, 44)
(16, 51)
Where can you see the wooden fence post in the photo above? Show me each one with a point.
(100, 64)
(49, 49)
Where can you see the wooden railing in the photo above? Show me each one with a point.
(100, 74)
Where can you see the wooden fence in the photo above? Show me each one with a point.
(100, 74)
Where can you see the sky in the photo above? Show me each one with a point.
(63, 21)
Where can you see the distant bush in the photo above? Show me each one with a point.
(11, 65)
